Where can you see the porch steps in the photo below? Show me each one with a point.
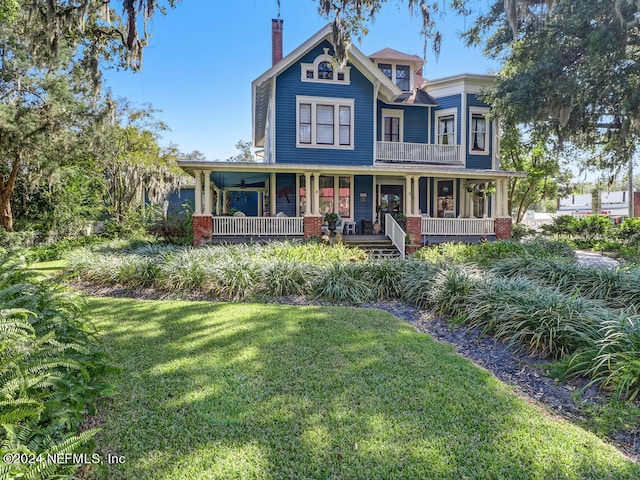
(377, 246)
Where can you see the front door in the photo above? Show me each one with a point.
(390, 201)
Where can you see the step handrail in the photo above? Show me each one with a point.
(394, 232)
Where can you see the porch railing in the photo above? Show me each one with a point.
(458, 226)
(394, 232)
(404, 152)
(259, 226)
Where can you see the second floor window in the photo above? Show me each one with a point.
(446, 130)
(478, 133)
(392, 129)
(325, 122)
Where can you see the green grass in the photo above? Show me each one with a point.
(265, 391)
(47, 269)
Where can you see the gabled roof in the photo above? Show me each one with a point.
(391, 54)
(261, 87)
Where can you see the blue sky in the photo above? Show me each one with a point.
(203, 56)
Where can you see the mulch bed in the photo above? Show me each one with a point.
(525, 372)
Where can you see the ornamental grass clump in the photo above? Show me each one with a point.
(343, 283)
(277, 278)
(418, 281)
(535, 318)
(385, 277)
(451, 288)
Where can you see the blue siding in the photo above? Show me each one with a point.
(286, 193)
(473, 160)
(416, 122)
(422, 189)
(245, 201)
(451, 101)
(362, 210)
(288, 85)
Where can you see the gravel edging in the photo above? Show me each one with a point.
(524, 372)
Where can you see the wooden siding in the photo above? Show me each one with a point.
(363, 210)
(416, 122)
(288, 85)
(286, 188)
(478, 161)
(450, 101)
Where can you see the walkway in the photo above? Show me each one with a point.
(593, 259)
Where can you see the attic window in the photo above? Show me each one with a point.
(324, 70)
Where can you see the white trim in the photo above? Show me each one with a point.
(455, 200)
(482, 111)
(447, 112)
(336, 103)
(395, 113)
(394, 68)
(325, 57)
(464, 134)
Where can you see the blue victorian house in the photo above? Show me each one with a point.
(373, 141)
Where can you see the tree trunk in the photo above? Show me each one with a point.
(6, 192)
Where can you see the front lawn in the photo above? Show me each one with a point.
(264, 391)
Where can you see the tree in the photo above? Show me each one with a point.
(244, 153)
(50, 52)
(544, 175)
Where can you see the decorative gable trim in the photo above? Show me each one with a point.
(312, 72)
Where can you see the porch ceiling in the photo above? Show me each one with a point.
(245, 169)
(239, 180)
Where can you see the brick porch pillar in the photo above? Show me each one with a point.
(312, 225)
(414, 229)
(503, 228)
(202, 230)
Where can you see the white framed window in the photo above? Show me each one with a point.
(392, 125)
(324, 69)
(478, 131)
(446, 121)
(324, 122)
(398, 74)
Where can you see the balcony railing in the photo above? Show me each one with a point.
(458, 226)
(403, 152)
(258, 226)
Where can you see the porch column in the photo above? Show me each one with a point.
(407, 195)
(307, 194)
(336, 194)
(207, 193)
(374, 199)
(218, 202)
(499, 208)
(260, 203)
(505, 198)
(224, 202)
(198, 193)
(272, 194)
(416, 195)
(316, 194)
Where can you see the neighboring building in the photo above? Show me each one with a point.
(612, 204)
(371, 138)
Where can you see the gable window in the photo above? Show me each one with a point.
(325, 122)
(324, 70)
(392, 121)
(479, 131)
(402, 77)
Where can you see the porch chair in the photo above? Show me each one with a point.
(239, 214)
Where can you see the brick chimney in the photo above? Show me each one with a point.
(276, 40)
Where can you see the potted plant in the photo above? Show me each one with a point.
(401, 218)
(331, 218)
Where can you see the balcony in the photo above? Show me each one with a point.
(420, 153)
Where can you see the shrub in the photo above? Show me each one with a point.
(342, 282)
(520, 231)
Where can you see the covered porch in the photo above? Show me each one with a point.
(267, 200)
